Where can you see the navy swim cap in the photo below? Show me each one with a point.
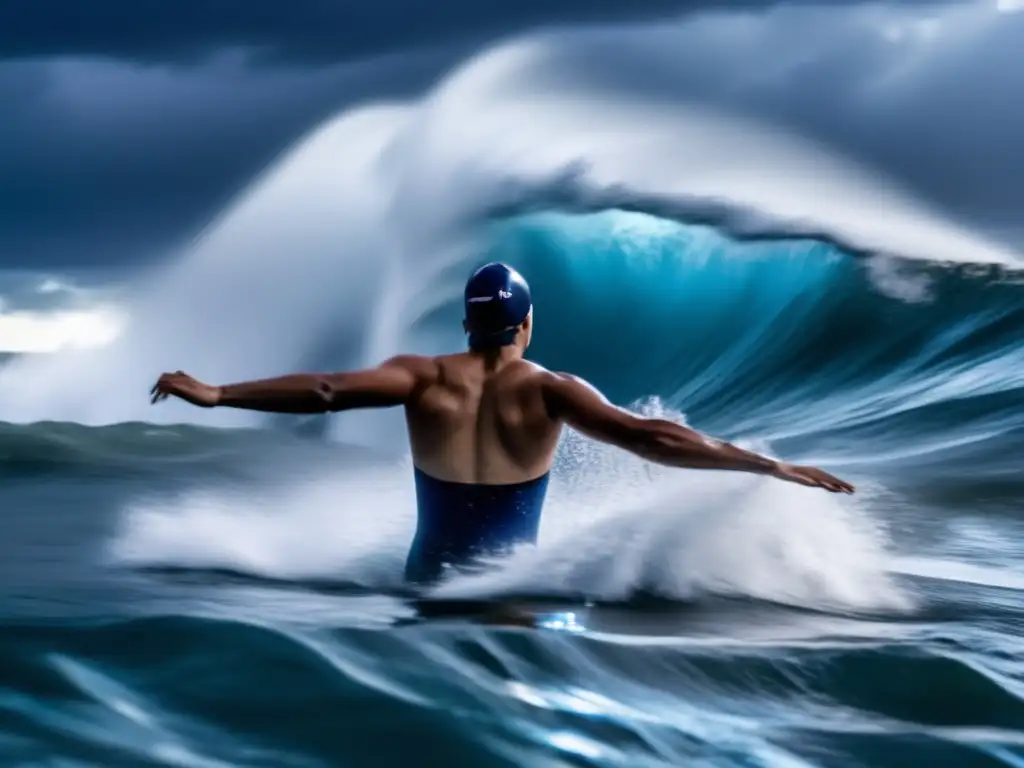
(497, 302)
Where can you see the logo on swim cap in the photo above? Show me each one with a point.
(497, 301)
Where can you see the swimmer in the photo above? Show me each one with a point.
(483, 426)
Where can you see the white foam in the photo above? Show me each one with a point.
(613, 525)
(354, 528)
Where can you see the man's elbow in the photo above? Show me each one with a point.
(327, 392)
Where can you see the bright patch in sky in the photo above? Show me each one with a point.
(50, 331)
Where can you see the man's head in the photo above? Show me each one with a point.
(498, 308)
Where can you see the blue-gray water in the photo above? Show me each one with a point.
(192, 596)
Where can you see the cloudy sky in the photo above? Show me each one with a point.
(126, 124)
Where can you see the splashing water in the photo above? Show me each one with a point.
(613, 526)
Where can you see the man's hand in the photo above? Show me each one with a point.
(812, 477)
(181, 385)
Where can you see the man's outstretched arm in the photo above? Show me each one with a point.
(665, 442)
(389, 384)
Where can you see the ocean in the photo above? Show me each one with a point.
(182, 587)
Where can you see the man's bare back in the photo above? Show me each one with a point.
(477, 419)
(487, 419)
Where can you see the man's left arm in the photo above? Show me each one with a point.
(389, 384)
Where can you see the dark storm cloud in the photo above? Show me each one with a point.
(102, 162)
(123, 130)
(322, 30)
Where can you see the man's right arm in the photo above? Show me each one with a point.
(388, 384)
(665, 442)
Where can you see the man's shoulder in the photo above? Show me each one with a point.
(530, 368)
(559, 390)
(420, 366)
(545, 376)
(535, 377)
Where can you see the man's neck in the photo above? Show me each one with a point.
(497, 357)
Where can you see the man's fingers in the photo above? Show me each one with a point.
(159, 383)
(816, 478)
(161, 390)
(843, 486)
(839, 486)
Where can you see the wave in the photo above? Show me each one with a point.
(181, 690)
(796, 346)
(338, 253)
(793, 342)
(776, 340)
